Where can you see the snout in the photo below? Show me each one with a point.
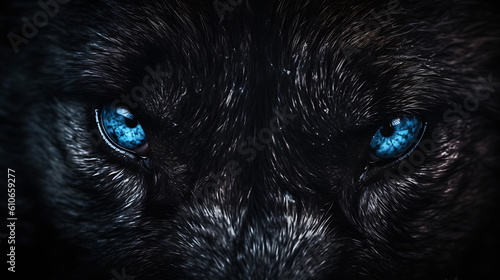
(255, 240)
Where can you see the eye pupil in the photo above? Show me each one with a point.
(131, 122)
(387, 130)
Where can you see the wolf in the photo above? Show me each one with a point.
(251, 140)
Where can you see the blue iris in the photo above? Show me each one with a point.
(122, 127)
(396, 138)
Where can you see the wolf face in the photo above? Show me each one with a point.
(242, 140)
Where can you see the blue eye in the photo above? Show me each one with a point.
(396, 138)
(122, 127)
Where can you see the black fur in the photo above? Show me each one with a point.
(215, 199)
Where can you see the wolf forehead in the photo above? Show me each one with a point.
(322, 63)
